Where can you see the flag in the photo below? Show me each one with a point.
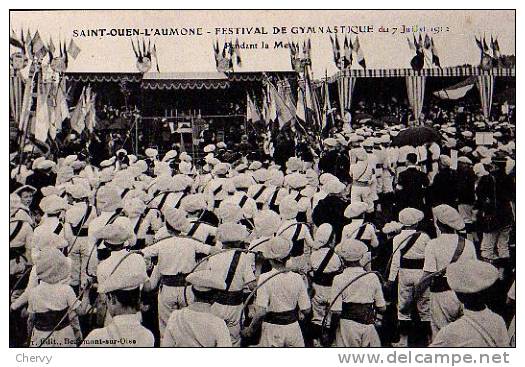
(336, 51)
(37, 45)
(27, 101)
(51, 47)
(64, 52)
(326, 104)
(154, 55)
(485, 46)
(427, 42)
(309, 52)
(478, 42)
(73, 49)
(272, 107)
(91, 115)
(61, 109)
(231, 52)
(16, 43)
(456, 91)
(435, 56)
(134, 49)
(359, 52)
(300, 109)
(41, 126)
(78, 122)
(411, 45)
(238, 52)
(312, 107)
(347, 59)
(264, 111)
(283, 112)
(216, 52)
(495, 47)
(252, 114)
(27, 43)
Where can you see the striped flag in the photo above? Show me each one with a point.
(456, 91)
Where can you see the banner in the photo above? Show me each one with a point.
(486, 88)
(345, 85)
(416, 94)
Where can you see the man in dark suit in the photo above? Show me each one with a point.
(412, 186)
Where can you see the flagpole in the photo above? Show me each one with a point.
(23, 136)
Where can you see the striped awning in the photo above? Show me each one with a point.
(437, 72)
(201, 80)
(162, 81)
(104, 77)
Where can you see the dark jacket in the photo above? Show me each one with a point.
(414, 185)
(327, 163)
(466, 186)
(444, 188)
(331, 210)
(494, 194)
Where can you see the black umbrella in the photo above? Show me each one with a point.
(416, 136)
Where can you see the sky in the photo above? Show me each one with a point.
(453, 33)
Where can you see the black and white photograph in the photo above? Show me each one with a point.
(262, 178)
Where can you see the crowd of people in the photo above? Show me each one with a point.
(355, 240)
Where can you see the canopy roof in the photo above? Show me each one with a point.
(190, 80)
(453, 71)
